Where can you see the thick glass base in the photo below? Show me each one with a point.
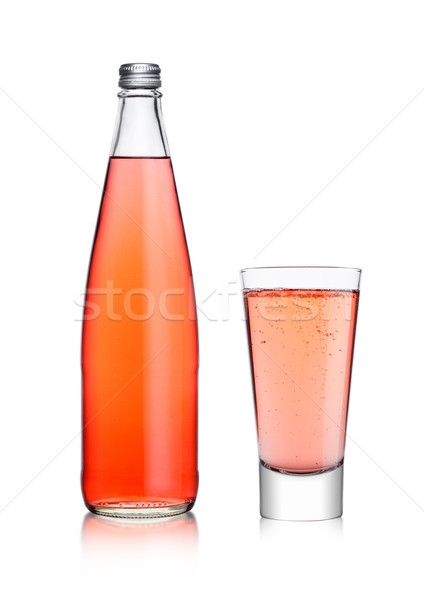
(138, 511)
(301, 497)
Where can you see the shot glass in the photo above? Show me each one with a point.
(301, 327)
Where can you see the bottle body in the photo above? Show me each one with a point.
(140, 349)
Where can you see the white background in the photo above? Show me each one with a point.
(302, 120)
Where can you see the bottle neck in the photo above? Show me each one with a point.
(139, 129)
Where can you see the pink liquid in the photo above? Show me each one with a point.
(301, 350)
(139, 351)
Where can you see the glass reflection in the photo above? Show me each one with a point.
(272, 531)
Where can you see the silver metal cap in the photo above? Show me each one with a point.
(139, 75)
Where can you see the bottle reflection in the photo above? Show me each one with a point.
(147, 542)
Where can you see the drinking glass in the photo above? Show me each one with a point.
(301, 328)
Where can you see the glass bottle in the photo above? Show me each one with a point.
(140, 345)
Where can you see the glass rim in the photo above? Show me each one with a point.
(300, 267)
(301, 278)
